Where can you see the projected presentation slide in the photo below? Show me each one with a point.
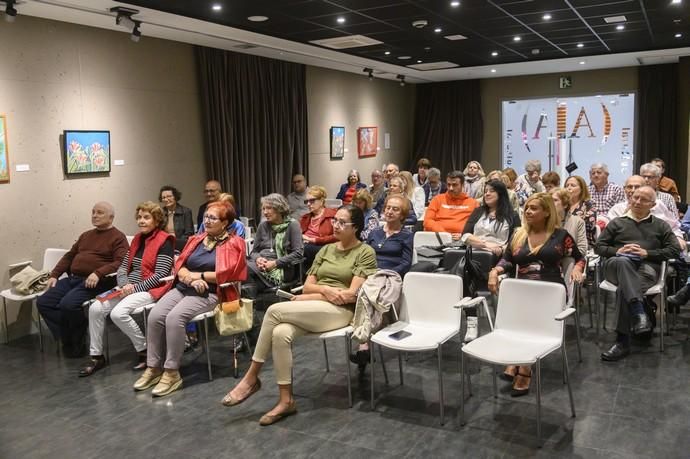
(565, 130)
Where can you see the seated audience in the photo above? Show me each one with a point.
(316, 226)
(634, 245)
(208, 260)
(574, 225)
(378, 187)
(149, 259)
(391, 170)
(666, 184)
(327, 303)
(512, 177)
(212, 191)
(420, 178)
(448, 212)
(581, 205)
(348, 189)
(474, 179)
(277, 247)
(550, 180)
(529, 182)
(414, 193)
(393, 243)
(501, 176)
(651, 175)
(297, 197)
(433, 186)
(97, 253)
(537, 249)
(604, 194)
(179, 218)
(397, 186)
(364, 201)
(236, 227)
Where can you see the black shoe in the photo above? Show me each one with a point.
(680, 298)
(361, 358)
(615, 353)
(95, 364)
(641, 324)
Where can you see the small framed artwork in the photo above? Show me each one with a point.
(337, 142)
(367, 141)
(86, 152)
(4, 154)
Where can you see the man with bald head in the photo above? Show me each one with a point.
(97, 253)
(212, 191)
(634, 245)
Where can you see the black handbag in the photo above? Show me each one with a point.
(471, 272)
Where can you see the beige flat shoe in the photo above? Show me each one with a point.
(228, 400)
(268, 419)
(169, 383)
(148, 379)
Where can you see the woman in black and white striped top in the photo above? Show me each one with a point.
(150, 258)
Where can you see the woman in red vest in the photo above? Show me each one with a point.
(150, 258)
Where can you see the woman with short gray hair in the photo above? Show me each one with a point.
(530, 182)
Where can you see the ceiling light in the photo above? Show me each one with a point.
(517, 38)
(427, 48)
(455, 4)
(494, 54)
(493, 70)
(615, 19)
(387, 53)
(580, 45)
(257, 18)
(455, 37)
(546, 17)
(437, 30)
(676, 2)
(136, 33)
(404, 58)
(582, 62)
(620, 27)
(419, 61)
(10, 11)
(401, 78)
(341, 20)
(679, 35)
(369, 72)
(217, 7)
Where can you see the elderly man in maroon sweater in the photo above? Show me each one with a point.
(97, 253)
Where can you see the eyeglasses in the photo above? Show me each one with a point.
(339, 223)
(210, 218)
(310, 201)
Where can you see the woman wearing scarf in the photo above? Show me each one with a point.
(277, 245)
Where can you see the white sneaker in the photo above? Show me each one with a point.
(472, 329)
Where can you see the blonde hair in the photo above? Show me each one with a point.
(317, 191)
(404, 205)
(479, 166)
(227, 197)
(563, 195)
(400, 180)
(552, 222)
(156, 212)
(363, 195)
(409, 183)
(584, 189)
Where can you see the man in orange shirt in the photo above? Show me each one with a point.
(448, 212)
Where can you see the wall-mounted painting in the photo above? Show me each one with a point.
(4, 155)
(367, 141)
(87, 152)
(337, 142)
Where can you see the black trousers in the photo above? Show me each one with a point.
(632, 279)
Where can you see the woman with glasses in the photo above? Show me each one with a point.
(349, 188)
(208, 260)
(317, 230)
(179, 218)
(327, 303)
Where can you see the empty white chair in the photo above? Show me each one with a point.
(429, 238)
(50, 259)
(529, 326)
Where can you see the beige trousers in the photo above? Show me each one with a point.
(286, 321)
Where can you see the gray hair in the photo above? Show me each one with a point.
(601, 166)
(649, 167)
(278, 202)
(433, 172)
(108, 207)
(533, 165)
(401, 181)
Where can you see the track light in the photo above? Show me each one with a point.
(401, 78)
(124, 19)
(10, 10)
(136, 33)
(369, 72)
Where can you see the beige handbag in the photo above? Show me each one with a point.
(232, 323)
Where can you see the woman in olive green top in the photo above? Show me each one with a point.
(327, 303)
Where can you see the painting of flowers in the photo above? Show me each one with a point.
(4, 156)
(87, 152)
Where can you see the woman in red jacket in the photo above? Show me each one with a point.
(317, 229)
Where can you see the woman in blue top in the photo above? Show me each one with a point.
(392, 243)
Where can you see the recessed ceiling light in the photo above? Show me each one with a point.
(455, 4)
(387, 53)
(676, 2)
(437, 30)
(404, 58)
(518, 38)
(419, 61)
(679, 35)
(340, 20)
(493, 70)
(258, 18)
(620, 27)
(546, 17)
(217, 7)
(582, 62)
(455, 37)
(580, 45)
(494, 54)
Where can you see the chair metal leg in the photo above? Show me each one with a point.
(462, 388)
(4, 322)
(662, 318)
(208, 349)
(39, 325)
(493, 371)
(249, 345)
(538, 373)
(577, 335)
(400, 367)
(597, 301)
(373, 371)
(348, 337)
(383, 364)
(567, 379)
(589, 305)
(325, 353)
(606, 304)
(441, 399)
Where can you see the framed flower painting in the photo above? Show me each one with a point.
(86, 152)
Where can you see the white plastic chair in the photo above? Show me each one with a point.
(428, 238)
(50, 259)
(333, 203)
(529, 326)
(657, 289)
(427, 313)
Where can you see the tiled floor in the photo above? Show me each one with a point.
(636, 408)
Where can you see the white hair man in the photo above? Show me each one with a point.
(604, 194)
(652, 175)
